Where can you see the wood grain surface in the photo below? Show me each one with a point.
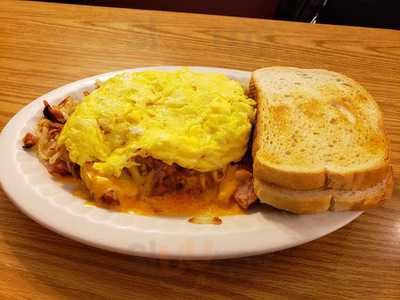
(43, 46)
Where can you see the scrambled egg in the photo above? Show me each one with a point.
(199, 121)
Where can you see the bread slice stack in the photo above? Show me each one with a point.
(319, 142)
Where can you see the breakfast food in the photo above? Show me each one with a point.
(176, 143)
(319, 142)
(156, 142)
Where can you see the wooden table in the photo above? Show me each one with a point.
(43, 46)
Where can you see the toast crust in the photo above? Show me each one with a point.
(313, 177)
(316, 201)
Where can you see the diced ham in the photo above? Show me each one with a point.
(59, 167)
(29, 140)
(245, 195)
(110, 198)
(53, 114)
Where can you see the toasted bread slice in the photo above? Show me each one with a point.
(316, 129)
(306, 202)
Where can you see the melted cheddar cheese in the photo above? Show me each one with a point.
(132, 192)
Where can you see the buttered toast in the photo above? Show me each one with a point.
(318, 131)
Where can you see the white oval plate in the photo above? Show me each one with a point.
(50, 203)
